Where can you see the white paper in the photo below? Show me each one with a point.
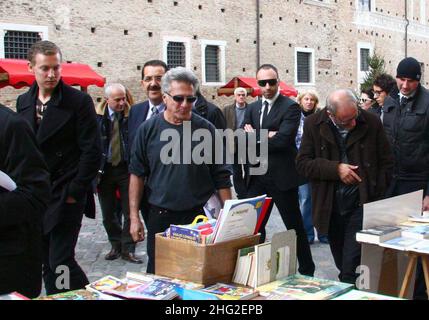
(392, 211)
(238, 218)
(6, 182)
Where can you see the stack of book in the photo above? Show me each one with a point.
(267, 261)
(409, 236)
(238, 218)
(218, 291)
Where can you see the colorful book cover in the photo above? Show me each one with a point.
(105, 283)
(13, 296)
(81, 294)
(181, 232)
(231, 292)
(305, 288)
(145, 278)
(191, 294)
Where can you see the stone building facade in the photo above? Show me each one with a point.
(320, 45)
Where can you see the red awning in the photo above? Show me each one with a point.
(14, 72)
(252, 87)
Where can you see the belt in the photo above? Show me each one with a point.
(196, 210)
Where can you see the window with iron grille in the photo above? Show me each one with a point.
(364, 57)
(365, 5)
(17, 43)
(212, 64)
(176, 54)
(303, 67)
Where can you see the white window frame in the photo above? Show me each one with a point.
(423, 11)
(43, 30)
(222, 64)
(362, 45)
(312, 67)
(185, 41)
(372, 5)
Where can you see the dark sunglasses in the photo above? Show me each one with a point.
(180, 99)
(271, 82)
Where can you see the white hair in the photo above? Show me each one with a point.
(111, 86)
(240, 89)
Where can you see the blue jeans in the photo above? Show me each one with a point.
(305, 207)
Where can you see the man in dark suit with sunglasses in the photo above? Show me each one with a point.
(280, 116)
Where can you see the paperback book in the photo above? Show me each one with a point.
(378, 234)
(218, 291)
(301, 287)
(419, 232)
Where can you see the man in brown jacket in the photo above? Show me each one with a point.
(346, 156)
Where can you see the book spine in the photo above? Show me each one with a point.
(177, 232)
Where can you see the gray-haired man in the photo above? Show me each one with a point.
(345, 154)
(112, 117)
(178, 190)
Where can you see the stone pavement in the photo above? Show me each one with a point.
(93, 245)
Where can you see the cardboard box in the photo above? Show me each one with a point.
(206, 264)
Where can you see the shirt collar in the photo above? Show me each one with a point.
(160, 106)
(271, 101)
(408, 97)
(111, 112)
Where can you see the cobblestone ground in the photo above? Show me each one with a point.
(93, 245)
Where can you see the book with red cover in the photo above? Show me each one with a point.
(263, 213)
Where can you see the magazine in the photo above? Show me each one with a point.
(305, 288)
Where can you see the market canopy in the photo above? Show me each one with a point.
(14, 72)
(251, 85)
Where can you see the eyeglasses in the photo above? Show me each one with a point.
(180, 98)
(377, 92)
(271, 82)
(346, 122)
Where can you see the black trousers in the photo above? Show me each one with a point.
(342, 240)
(238, 180)
(21, 267)
(61, 272)
(288, 205)
(396, 188)
(159, 220)
(118, 231)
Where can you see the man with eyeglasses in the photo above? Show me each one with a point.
(152, 72)
(280, 116)
(234, 115)
(381, 88)
(345, 154)
(163, 160)
(407, 126)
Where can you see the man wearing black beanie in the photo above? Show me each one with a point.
(406, 122)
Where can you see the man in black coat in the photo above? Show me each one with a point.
(280, 116)
(66, 131)
(209, 111)
(21, 208)
(406, 122)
